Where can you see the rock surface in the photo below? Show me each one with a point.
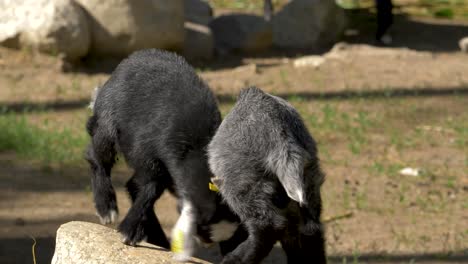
(88, 243)
(464, 44)
(242, 32)
(120, 27)
(52, 26)
(307, 24)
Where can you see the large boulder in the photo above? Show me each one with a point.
(120, 27)
(84, 243)
(198, 11)
(308, 24)
(248, 33)
(52, 26)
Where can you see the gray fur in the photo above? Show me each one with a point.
(268, 172)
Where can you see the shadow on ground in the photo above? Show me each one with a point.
(19, 177)
(19, 107)
(19, 250)
(421, 34)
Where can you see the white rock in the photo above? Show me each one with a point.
(309, 61)
(87, 243)
(246, 69)
(463, 43)
(52, 26)
(120, 27)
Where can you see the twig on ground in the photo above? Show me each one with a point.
(337, 217)
(33, 249)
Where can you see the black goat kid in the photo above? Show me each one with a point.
(160, 115)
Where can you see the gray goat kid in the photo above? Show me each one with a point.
(268, 172)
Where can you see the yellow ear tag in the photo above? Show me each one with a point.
(213, 187)
(177, 243)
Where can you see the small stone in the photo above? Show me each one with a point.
(309, 61)
(246, 69)
(463, 43)
(410, 172)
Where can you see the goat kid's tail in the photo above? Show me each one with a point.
(288, 162)
(292, 164)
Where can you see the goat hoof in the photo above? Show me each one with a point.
(132, 234)
(230, 259)
(109, 217)
(127, 241)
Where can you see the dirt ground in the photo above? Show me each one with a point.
(372, 110)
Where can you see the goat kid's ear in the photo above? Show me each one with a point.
(217, 181)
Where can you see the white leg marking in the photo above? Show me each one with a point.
(109, 218)
(183, 233)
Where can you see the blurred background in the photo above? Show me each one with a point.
(389, 111)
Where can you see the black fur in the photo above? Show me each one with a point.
(160, 115)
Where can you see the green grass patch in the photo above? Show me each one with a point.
(31, 141)
(247, 5)
(237, 4)
(448, 9)
(461, 133)
(444, 13)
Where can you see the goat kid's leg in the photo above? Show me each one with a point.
(300, 247)
(101, 158)
(190, 176)
(237, 238)
(315, 241)
(183, 234)
(256, 247)
(152, 228)
(154, 232)
(141, 222)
